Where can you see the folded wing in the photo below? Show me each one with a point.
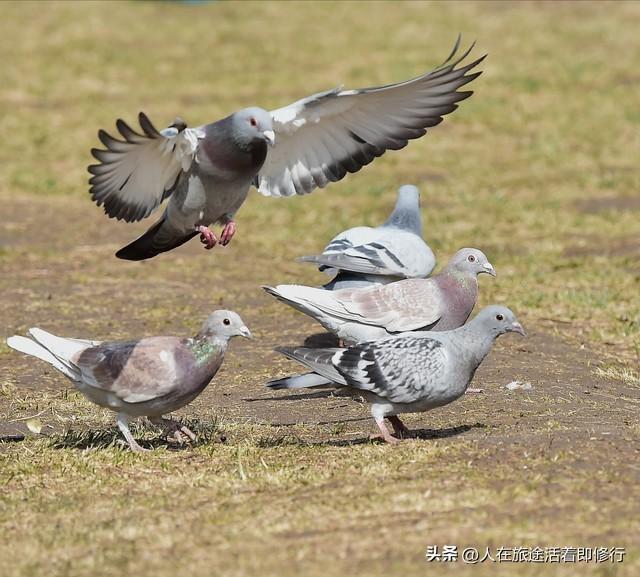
(402, 369)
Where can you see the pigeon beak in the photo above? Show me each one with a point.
(270, 137)
(516, 327)
(488, 268)
(246, 333)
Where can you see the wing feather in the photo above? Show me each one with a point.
(322, 138)
(401, 369)
(136, 174)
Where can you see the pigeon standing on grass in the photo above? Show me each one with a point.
(439, 303)
(406, 373)
(207, 170)
(145, 378)
(365, 255)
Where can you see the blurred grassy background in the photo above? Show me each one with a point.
(539, 169)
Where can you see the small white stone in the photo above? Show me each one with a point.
(513, 385)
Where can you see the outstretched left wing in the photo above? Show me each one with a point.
(321, 138)
(136, 174)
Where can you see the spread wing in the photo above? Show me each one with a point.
(136, 174)
(321, 138)
(401, 369)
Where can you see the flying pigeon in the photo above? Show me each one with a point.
(380, 255)
(405, 373)
(148, 377)
(439, 303)
(208, 170)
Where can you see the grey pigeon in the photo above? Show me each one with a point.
(406, 373)
(208, 170)
(380, 255)
(439, 303)
(148, 377)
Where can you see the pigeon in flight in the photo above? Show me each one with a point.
(364, 255)
(405, 373)
(439, 303)
(141, 378)
(207, 171)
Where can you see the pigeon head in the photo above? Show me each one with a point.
(225, 324)
(252, 125)
(471, 261)
(498, 320)
(406, 214)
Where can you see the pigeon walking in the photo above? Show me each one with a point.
(364, 255)
(207, 170)
(406, 373)
(439, 303)
(149, 377)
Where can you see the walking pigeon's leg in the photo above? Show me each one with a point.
(385, 434)
(470, 390)
(227, 232)
(207, 238)
(399, 428)
(123, 425)
(179, 431)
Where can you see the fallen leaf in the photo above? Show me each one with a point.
(34, 425)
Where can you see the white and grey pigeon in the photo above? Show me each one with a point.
(406, 373)
(207, 171)
(149, 377)
(364, 255)
(439, 303)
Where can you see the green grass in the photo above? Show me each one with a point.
(539, 169)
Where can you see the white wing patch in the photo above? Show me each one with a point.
(136, 174)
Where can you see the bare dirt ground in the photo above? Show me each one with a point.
(573, 430)
(81, 273)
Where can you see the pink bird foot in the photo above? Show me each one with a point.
(399, 428)
(207, 237)
(385, 434)
(227, 233)
(470, 390)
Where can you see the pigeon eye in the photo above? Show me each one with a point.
(499, 317)
(226, 322)
(471, 258)
(253, 122)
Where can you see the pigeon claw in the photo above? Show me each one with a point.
(227, 233)
(385, 434)
(207, 237)
(399, 428)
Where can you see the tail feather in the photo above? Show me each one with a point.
(353, 263)
(318, 360)
(315, 260)
(153, 242)
(63, 349)
(312, 301)
(306, 381)
(310, 258)
(31, 347)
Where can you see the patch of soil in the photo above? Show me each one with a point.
(70, 283)
(604, 204)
